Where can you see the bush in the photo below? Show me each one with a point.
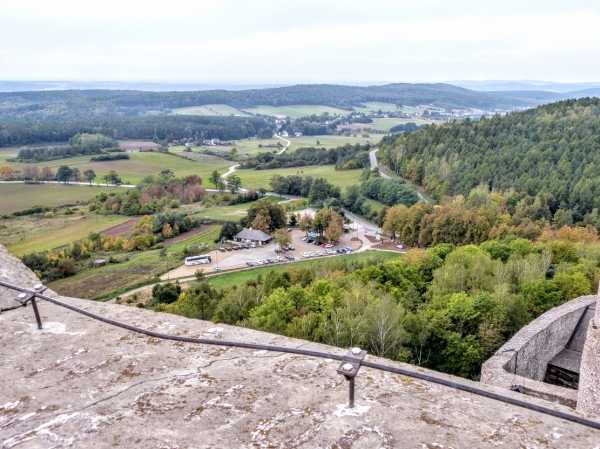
(175, 204)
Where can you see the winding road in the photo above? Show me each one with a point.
(373, 156)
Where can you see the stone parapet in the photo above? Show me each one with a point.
(523, 360)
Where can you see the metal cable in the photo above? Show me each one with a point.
(402, 371)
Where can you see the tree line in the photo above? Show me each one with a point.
(166, 128)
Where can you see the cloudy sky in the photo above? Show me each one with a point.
(284, 41)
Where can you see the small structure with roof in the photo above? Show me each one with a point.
(249, 235)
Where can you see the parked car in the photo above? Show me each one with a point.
(285, 248)
(260, 262)
(339, 250)
(222, 250)
(400, 246)
(305, 254)
(329, 245)
(270, 260)
(316, 242)
(250, 264)
(229, 248)
(310, 254)
(291, 248)
(279, 259)
(309, 240)
(319, 253)
(246, 246)
(252, 245)
(216, 267)
(289, 256)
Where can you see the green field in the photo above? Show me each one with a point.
(232, 213)
(295, 110)
(17, 196)
(210, 110)
(140, 165)
(54, 237)
(253, 179)
(228, 279)
(141, 268)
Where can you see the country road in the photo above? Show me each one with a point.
(287, 146)
(373, 156)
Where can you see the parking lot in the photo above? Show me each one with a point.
(230, 260)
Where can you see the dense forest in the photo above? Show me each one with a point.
(66, 105)
(549, 154)
(164, 128)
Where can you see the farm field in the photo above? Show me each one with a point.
(295, 110)
(254, 179)
(237, 278)
(210, 110)
(56, 231)
(141, 268)
(19, 196)
(140, 165)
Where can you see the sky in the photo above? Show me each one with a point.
(291, 41)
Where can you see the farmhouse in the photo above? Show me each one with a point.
(249, 235)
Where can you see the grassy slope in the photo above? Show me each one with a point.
(68, 233)
(329, 141)
(142, 268)
(253, 179)
(14, 197)
(225, 280)
(140, 165)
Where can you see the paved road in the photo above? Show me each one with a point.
(373, 156)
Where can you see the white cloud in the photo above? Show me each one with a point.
(276, 41)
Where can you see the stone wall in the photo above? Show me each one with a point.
(524, 358)
(588, 399)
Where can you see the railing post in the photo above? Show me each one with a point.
(23, 298)
(349, 369)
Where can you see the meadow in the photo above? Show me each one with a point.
(35, 233)
(254, 179)
(19, 196)
(139, 165)
(237, 278)
(141, 268)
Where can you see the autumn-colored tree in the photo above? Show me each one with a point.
(167, 231)
(30, 172)
(193, 179)
(283, 238)
(6, 172)
(305, 223)
(260, 222)
(47, 174)
(335, 229)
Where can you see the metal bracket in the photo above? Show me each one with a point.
(29, 295)
(349, 369)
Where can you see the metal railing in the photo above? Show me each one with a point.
(349, 367)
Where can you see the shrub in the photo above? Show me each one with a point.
(175, 204)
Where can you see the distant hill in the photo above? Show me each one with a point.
(494, 85)
(552, 151)
(64, 105)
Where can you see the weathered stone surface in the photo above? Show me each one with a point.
(13, 271)
(83, 383)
